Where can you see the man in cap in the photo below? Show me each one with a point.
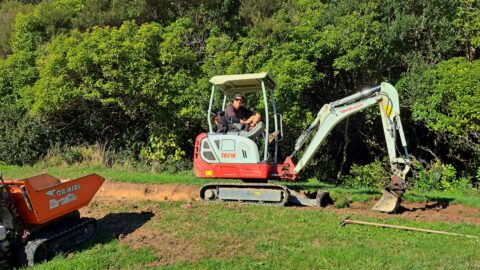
(236, 113)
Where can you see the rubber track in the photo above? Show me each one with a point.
(57, 233)
(246, 185)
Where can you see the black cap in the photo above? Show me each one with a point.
(238, 95)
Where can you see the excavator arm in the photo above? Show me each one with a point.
(333, 113)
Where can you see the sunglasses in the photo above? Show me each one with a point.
(241, 99)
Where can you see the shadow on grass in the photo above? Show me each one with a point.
(110, 227)
(327, 187)
(118, 225)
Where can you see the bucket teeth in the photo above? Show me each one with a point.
(389, 203)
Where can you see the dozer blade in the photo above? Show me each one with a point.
(389, 203)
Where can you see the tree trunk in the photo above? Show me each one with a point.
(344, 152)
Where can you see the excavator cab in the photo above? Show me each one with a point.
(242, 153)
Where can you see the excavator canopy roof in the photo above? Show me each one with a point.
(242, 83)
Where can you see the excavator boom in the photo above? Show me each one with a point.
(333, 113)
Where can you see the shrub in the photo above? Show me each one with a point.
(161, 150)
(23, 139)
(370, 175)
(89, 155)
(438, 176)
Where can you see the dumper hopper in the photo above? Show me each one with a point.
(39, 217)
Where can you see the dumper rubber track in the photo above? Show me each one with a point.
(249, 193)
(62, 238)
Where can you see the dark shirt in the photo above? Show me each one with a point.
(235, 115)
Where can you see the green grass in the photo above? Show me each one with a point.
(101, 256)
(219, 236)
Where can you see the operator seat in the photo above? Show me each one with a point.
(251, 134)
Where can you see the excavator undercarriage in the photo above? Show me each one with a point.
(259, 193)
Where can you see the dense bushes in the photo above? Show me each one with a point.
(133, 76)
(427, 177)
(23, 139)
(438, 176)
(371, 175)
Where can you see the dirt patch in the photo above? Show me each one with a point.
(168, 247)
(154, 192)
(430, 211)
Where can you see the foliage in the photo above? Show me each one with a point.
(371, 175)
(447, 98)
(8, 13)
(18, 71)
(440, 176)
(115, 12)
(23, 139)
(28, 33)
(451, 102)
(159, 149)
(467, 22)
(133, 75)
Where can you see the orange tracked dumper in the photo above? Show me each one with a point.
(40, 218)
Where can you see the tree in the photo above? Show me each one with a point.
(8, 13)
(467, 24)
(448, 103)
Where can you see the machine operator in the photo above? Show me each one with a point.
(236, 113)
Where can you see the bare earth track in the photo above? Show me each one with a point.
(170, 192)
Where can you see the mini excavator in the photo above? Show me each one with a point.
(250, 156)
(40, 218)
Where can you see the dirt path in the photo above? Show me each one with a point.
(113, 193)
(169, 192)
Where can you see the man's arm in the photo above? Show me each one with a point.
(253, 120)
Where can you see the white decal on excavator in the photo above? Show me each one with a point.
(56, 203)
(63, 191)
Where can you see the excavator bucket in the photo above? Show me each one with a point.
(389, 202)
